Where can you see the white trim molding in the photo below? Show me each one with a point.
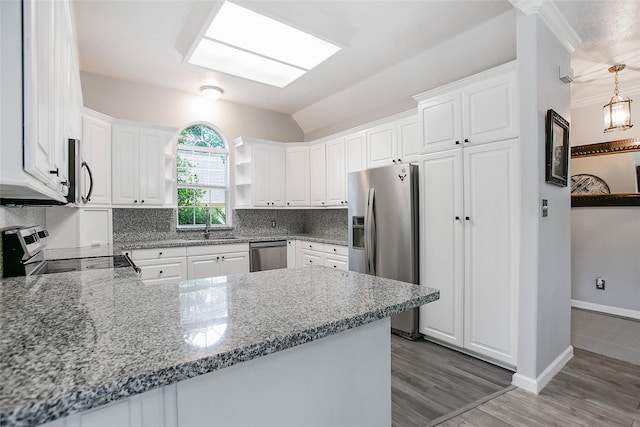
(608, 309)
(535, 385)
(553, 18)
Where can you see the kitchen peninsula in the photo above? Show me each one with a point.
(84, 347)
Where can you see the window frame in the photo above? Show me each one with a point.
(225, 151)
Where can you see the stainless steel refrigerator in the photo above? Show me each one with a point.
(383, 230)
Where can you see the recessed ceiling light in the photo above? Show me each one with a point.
(247, 44)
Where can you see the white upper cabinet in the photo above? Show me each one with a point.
(260, 173)
(297, 176)
(96, 152)
(336, 173)
(138, 164)
(476, 110)
(318, 174)
(356, 145)
(408, 139)
(381, 145)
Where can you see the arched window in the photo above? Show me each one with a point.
(202, 176)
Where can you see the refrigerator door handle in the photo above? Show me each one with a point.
(370, 235)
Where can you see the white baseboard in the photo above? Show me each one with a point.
(616, 311)
(535, 385)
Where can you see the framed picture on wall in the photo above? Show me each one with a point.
(557, 149)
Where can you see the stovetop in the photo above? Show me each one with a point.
(80, 264)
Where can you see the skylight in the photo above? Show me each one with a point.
(250, 45)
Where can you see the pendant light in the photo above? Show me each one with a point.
(617, 113)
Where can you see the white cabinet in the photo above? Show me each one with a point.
(40, 99)
(336, 173)
(217, 260)
(78, 227)
(318, 174)
(323, 254)
(292, 249)
(356, 145)
(260, 173)
(138, 160)
(161, 265)
(96, 151)
(298, 177)
(469, 209)
(397, 141)
(476, 110)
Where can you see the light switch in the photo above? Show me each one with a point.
(545, 207)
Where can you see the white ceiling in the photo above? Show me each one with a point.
(394, 49)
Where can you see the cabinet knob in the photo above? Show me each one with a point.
(466, 140)
(160, 271)
(223, 257)
(399, 160)
(467, 218)
(310, 261)
(457, 218)
(217, 258)
(288, 203)
(394, 160)
(159, 253)
(457, 142)
(323, 203)
(335, 266)
(141, 201)
(135, 201)
(334, 249)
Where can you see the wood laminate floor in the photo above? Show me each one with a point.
(591, 390)
(429, 381)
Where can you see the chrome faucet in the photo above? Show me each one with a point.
(207, 223)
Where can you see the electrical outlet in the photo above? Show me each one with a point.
(161, 226)
(273, 223)
(600, 283)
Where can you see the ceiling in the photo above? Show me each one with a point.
(392, 49)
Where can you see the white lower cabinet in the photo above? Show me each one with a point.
(161, 265)
(217, 260)
(323, 254)
(469, 210)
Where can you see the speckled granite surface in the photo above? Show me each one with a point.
(73, 341)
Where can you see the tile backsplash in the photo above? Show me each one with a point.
(160, 224)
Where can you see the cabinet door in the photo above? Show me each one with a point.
(260, 175)
(151, 167)
(381, 146)
(96, 151)
(491, 251)
(39, 99)
(336, 173)
(292, 249)
(441, 122)
(356, 152)
(234, 263)
(124, 177)
(318, 175)
(490, 110)
(298, 176)
(277, 176)
(408, 139)
(94, 226)
(338, 262)
(203, 266)
(441, 244)
(311, 258)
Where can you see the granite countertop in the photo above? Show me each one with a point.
(73, 341)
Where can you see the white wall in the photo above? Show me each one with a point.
(545, 287)
(155, 105)
(605, 241)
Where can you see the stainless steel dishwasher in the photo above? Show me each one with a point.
(267, 255)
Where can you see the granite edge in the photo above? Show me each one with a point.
(83, 400)
(210, 242)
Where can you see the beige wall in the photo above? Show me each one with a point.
(155, 105)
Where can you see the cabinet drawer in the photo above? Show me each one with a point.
(336, 249)
(217, 249)
(338, 262)
(170, 270)
(311, 246)
(158, 253)
(310, 258)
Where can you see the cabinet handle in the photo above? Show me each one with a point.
(466, 140)
(55, 172)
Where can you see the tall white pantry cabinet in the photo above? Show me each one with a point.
(469, 213)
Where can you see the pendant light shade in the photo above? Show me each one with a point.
(617, 113)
